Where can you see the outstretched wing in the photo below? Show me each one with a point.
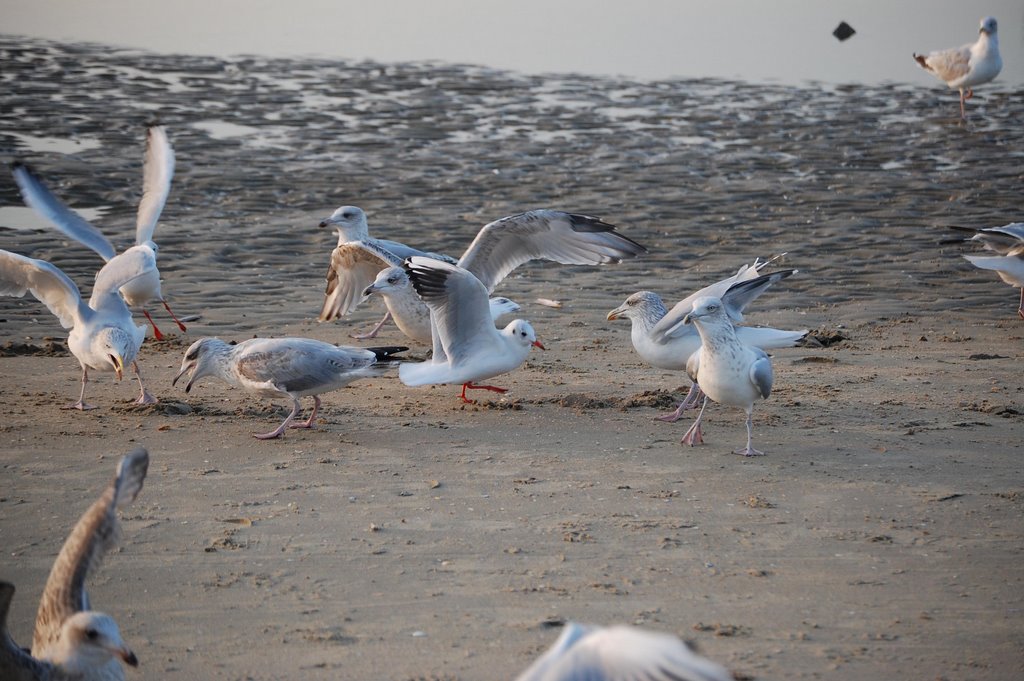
(459, 309)
(566, 238)
(47, 283)
(354, 265)
(97, 531)
(157, 171)
(132, 264)
(71, 224)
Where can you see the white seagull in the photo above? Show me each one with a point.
(72, 641)
(964, 67)
(1008, 242)
(663, 341)
(467, 346)
(156, 185)
(347, 275)
(499, 248)
(103, 336)
(621, 653)
(293, 367)
(726, 369)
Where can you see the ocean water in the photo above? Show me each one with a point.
(783, 41)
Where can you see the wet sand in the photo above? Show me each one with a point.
(410, 537)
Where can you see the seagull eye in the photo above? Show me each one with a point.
(92, 634)
(712, 308)
(192, 355)
(392, 280)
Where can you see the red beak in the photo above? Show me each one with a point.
(537, 344)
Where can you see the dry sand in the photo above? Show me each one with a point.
(410, 537)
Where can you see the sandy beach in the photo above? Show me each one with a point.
(411, 537)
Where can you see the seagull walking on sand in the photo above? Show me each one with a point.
(1008, 242)
(961, 68)
(103, 336)
(292, 367)
(467, 347)
(72, 641)
(621, 653)
(727, 370)
(156, 185)
(349, 273)
(662, 340)
(499, 248)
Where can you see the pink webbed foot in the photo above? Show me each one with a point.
(689, 402)
(749, 451)
(79, 405)
(278, 432)
(311, 421)
(693, 436)
(146, 398)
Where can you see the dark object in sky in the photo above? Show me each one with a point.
(843, 31)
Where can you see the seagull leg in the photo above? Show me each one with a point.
(279, 431)
(749, 451)
(372, 333)
(80, 404)
(472, 386)
(1020, 308)
(176, 320)
(144, 396)
(693, 436)
(308, 423)
(156, 332)
(963, 111)
(689, 402)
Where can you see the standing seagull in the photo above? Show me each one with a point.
(103, 336)
(660, 338)
(156, 185)
(964, 67)
(467, 346)
(726, 369)
(499, 248)
(588, 653)
(348, 275)
(295, 367)
(1008, 242)
(72, 641)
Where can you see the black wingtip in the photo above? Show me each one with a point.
(387, 352)
(588, 223)
(757, 282)
(429, 282)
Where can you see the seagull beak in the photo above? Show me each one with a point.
(118, 365)
(537, 344)
(184, 368)
(372, 288)
(614, 314)
(128, 657)
(688, 318)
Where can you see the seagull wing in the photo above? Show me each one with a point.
(15, 663)
(949, 65)
(566, 238)
(71, 224)
(354, 265)
(761, 373)
(46, 282)
(157, 172)
(459, 309)
(296, 365)
(132, 264)
(626, 654)
(97, 531)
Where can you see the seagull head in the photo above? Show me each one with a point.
(90, 640)
(393, 278)
(350, 222)
(201, 360)
(706, 310)
(117, 349)
(989, 26)
(638, 306)
(523, 333)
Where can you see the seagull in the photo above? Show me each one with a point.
(621, 653)
(1008, 242)
(499, 248)
(467, 346)
(662, 341)
(295, 367)
(156, 185)
(964, 67)
(103, 336)
(72, 641)
(411, 315)
(346, 279)
(727, 370)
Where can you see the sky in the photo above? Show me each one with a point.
(782, 41)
